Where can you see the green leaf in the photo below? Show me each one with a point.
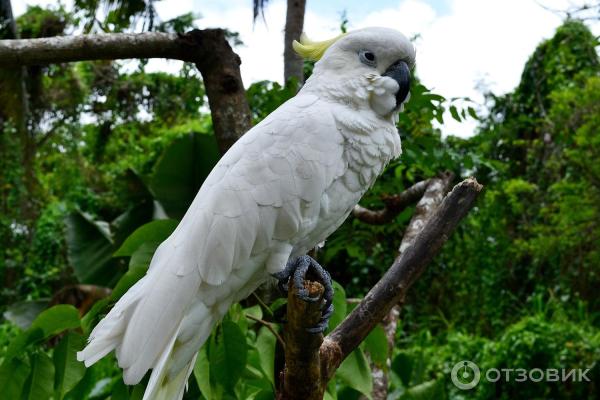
(254, 311)
(202, 373)
(472, 113)
(265, 395)
(181, 169)
(328, 396)
(376, 345)
(430, 390)
(138, 266)
(228, 356)
(49, 323)
(331, 391)
(127, 281)
(402, 365)
(69, 371)
(143, 209)
(41, 380)
(85, 385)
(265, 344)
(89, 319)
(237, 315)
(434, 97)
(119, 391)
(356, 373)
(23, 313)
(138, 392)
(339, 306)
(454, 113)
(153, 232)
(277, 305)
(13, 375)
(467, 161)
(90, 250)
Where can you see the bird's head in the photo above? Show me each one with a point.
(368, 67)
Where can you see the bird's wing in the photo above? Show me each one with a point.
(257, 200)
(265, 190)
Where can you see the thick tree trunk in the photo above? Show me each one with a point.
(220, 69)
(293, 65)
(14, 108)
(208, 49)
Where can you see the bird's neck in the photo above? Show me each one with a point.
(367, 134)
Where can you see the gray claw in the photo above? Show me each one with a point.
(296, 271)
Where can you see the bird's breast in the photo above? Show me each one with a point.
(368, 148)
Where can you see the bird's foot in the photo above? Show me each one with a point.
(296, 271)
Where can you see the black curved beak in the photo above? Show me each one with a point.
(400, 72)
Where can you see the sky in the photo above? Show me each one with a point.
(464, 47)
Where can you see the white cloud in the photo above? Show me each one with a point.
(262, 51)
(410, 17)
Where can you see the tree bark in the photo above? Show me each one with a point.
(293, 65)
(208, 49)
(302, 372)
(380, 375)
(432, 195)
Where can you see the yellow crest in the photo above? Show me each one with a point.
(312, 50)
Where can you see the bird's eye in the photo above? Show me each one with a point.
(367, 57)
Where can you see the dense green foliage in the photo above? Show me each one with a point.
(120, 154)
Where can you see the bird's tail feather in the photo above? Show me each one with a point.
(107, 335)
(171, 372)
(150, 329)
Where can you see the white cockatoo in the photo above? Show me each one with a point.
(281, 189)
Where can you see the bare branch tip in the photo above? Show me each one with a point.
(472, 182)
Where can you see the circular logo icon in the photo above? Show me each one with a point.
(465, 375)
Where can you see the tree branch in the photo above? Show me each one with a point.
(114, 46)
(380, 375)
(208, 49)
(432, 198)
(301, 378)
(425, 208)
(269, 326)
(394, 205)
(310, 360)
(407, 267)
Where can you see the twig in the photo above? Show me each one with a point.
(425, 208)
(269, 326)
(394, 205)
(263, 304)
